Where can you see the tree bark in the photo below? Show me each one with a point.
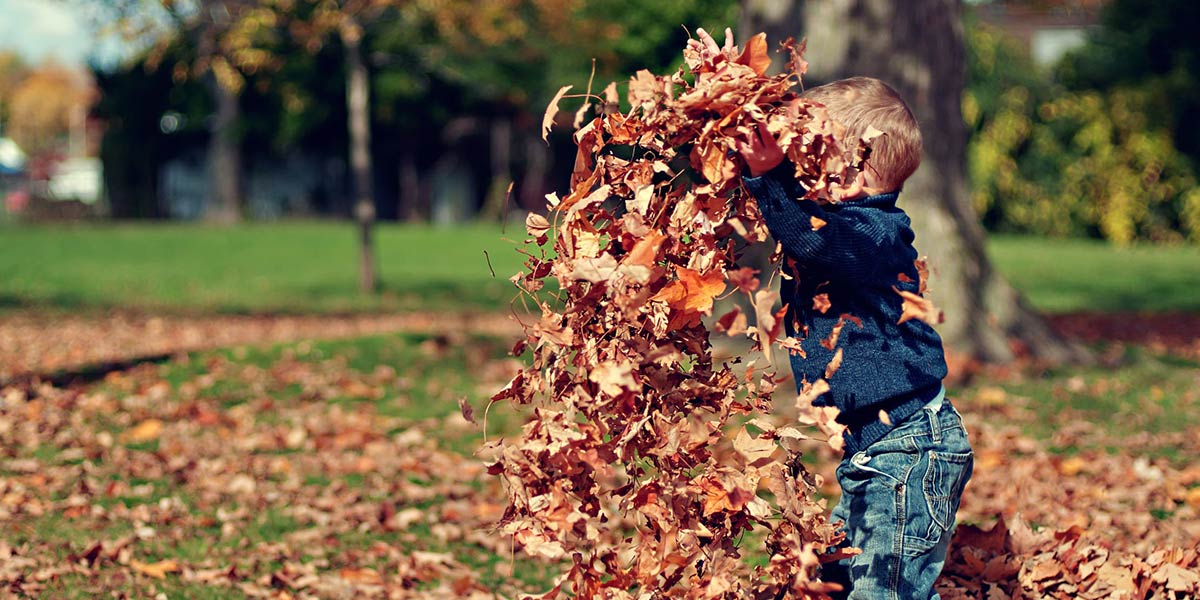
(496, 200)
(537, 166)
(224, 156)
(358, 104)
(917, 47)
(411, 207)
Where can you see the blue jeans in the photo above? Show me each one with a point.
(899, 498)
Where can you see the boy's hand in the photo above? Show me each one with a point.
(705, 50)
(761, 150)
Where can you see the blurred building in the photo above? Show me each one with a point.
(1049, 28)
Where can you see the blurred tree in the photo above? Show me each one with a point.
(1047, 160)
(1151, 45)
(226, 38)
(44, 105)
(12, 70)
(917, 47)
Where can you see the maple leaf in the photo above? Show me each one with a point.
(645, 251)
(744, 279)
(755, 54)
(613, 377)
(718, 499)
(693, 292)
(756, 451)
(644, 88)
(595, 270)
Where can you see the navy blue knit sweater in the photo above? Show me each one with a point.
(856, 258)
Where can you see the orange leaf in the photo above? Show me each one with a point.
(144, 432)
(156, 570)
(693, 292)
(363, 576)
(755, 55)
(821, 303)
(645, 251)
(834, 364)
(717, 498)
(917, 307)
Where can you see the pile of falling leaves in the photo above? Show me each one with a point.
(647, 464)
(647, 467)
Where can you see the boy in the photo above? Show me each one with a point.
(906, 452)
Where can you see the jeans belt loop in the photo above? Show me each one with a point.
(935, 425)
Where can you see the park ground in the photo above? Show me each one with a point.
(216, 413)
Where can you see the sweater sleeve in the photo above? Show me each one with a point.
(852, 245)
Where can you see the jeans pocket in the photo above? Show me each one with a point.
(945, 479)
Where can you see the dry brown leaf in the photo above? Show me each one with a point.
(551, 111)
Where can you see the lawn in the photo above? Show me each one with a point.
(345, 469)
(283, 268)
(311, 267)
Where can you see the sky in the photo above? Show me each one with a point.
(53, 30)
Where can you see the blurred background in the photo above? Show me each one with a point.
(278, 155)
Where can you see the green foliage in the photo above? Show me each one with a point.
(1150, 45)
(1048, 160)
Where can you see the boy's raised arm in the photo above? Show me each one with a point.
(850, 246)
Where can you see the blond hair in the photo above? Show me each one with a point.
(861, 102)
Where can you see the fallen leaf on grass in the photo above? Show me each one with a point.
(361, 576)
(145, 431)
(157, 570)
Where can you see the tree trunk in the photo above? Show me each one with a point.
(358, 104)
(494, 204)
(917, 48)
(411, 207)
(224, 156)
(537, 166)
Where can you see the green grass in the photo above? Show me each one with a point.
(300, 267)
(286, 267)
(1136, 395)
(1073, 275)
